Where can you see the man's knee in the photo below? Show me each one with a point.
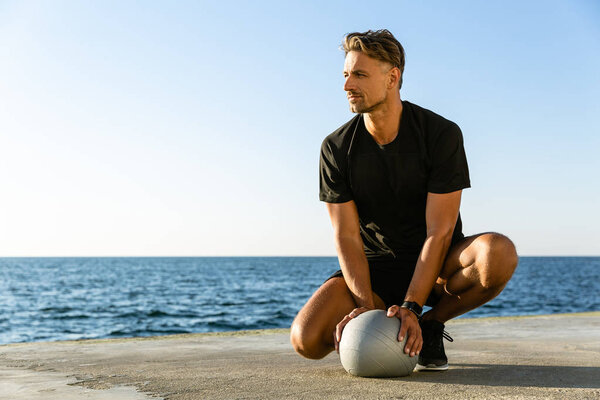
(496, 260)
(306, 342)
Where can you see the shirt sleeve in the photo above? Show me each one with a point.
(449, 169)
(333, 185)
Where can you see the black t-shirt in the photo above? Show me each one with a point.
(389, 183)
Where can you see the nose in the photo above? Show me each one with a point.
(349, 84)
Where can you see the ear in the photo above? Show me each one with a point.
(393, 77)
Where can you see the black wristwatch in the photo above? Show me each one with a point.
(414, 307)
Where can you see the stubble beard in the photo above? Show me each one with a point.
(360, 108)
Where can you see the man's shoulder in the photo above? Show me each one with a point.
(430, 120)
(341, 137)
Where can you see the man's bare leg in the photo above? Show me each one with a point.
(475, 271)
(313, 328)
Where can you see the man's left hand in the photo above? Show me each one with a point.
(409, 327)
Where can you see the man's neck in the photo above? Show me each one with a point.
(383, 124)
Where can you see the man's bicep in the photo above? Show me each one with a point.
(441, 212)
(344, 218)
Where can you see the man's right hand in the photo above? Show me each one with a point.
(337, 335)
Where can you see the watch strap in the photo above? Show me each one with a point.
(414, 307)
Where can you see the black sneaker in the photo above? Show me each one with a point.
(432, 356)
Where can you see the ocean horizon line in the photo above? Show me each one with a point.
(259, 256)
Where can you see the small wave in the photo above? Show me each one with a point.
(56, 309)
(156, 314)
(232, 303)
(226, 326)
(69, 317)
(216, 314)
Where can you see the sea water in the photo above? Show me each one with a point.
(47, 299)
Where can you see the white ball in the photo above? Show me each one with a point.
(370, 347)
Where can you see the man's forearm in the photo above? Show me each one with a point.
(356, 270)
(428, 267)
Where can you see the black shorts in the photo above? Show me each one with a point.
(390, 281)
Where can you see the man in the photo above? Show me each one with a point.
(392, 179)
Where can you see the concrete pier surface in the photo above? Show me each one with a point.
(550, 357)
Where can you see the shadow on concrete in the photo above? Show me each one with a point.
(542, 376)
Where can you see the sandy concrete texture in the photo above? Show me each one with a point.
(550, 357)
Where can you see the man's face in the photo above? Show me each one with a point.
(365, 82)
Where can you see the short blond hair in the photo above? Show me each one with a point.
(380, 45)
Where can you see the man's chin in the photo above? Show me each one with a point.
(361, 108)
(356, 108)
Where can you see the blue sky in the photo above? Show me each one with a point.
(193, 128)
